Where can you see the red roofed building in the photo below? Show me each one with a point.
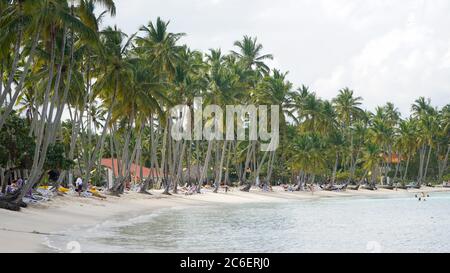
(135, 170)
(395, 159)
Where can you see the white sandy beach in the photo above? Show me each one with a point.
(25, 231)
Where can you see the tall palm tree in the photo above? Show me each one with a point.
(427, 126)
(407, 142)
(114, 81)
(160, 46)
(371, 160)
(249, 52)
(348, 112)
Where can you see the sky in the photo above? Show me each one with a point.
(384, 50)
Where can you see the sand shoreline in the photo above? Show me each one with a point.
(25, 231)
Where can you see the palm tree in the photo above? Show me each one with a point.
(371, 160)
(383, 135)
(443, 141)
(114, 82)
(427, 126)
(407, 142)
(308, 151)
(250, 54)
(348, 111)
(160, 46)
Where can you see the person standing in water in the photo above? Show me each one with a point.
(422, 196)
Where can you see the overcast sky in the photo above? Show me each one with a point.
(385, 50)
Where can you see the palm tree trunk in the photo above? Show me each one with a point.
(222, 158)
(2, 66)
(227, 168)
(113, 168)
(397, 167)
(426, 166)
(58, 77)
(164, 152)
(443, 165)
(421, 163)
(205, 166)
(4, 183)
(362, 178)
(119, 186)
(406, 168)
(188, 162)
(247, 161)
(100, 142)
(13, 68)
(153, 160)
(41, 143)
(333, 179)
(146, 181)
(260, 165)
(21, 82)
(180, 168)
(270, 170)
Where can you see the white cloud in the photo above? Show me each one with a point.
(385, 50)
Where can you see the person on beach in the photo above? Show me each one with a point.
(79, 185)
(19, 183)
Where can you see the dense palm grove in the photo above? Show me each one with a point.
(56, 62)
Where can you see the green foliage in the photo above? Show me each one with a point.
(446, 177)
(342, 176)
(56, 159)
(16, 146)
